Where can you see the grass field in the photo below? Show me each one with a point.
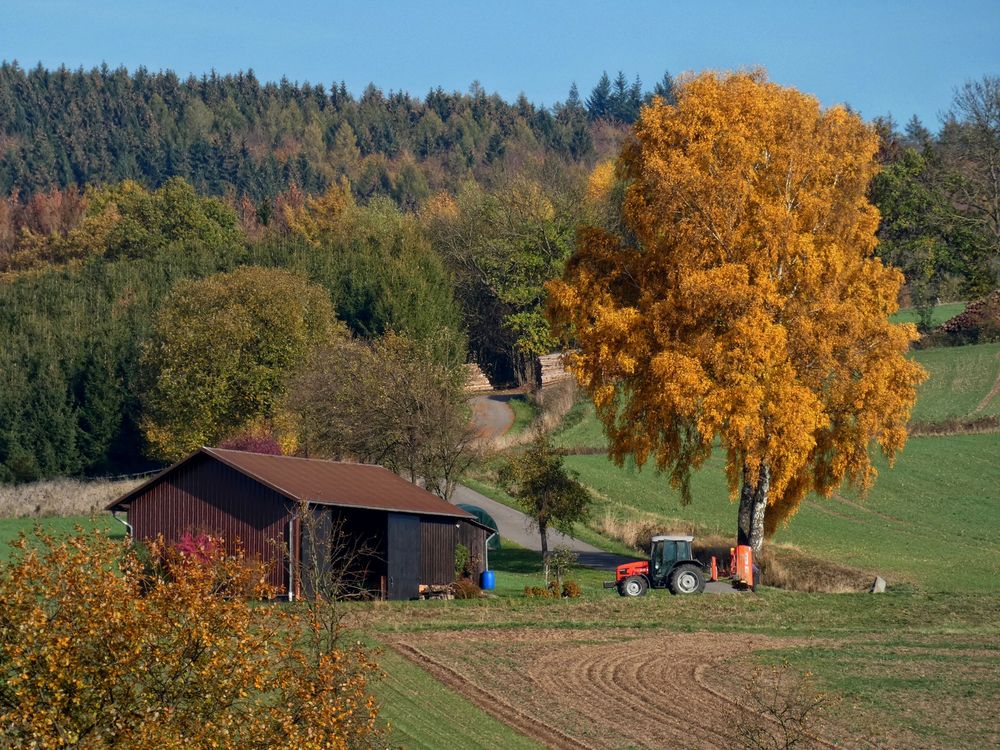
(930, 521)
(959, 380)
(941, 313)
(524, 414)
(10, 528)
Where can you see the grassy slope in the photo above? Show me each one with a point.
(929, 520)
(524, 414)
(926, 521)
(959, 378)
(941, 313)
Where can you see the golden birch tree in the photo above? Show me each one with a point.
(739, 301)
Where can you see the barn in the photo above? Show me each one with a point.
(259, 500)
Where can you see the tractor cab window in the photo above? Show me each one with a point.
(662, 556)
(669, 554)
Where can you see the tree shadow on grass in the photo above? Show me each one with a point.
(525, 561)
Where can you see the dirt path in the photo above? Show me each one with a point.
(491, 415)
(592, 689)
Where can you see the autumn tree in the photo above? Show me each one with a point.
(741, 303)
(502, 246)
(104, 645)
(222, 350)
(548, 493)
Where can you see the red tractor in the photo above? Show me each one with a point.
(670, 566)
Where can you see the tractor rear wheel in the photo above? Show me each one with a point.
(633, 586)
(687, 579)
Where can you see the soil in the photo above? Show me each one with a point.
(604, 689)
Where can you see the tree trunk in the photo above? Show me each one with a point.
(753, 506)
(542, 530)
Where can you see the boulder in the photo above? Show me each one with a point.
(878, 585)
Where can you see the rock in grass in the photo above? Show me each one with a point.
(878, 585)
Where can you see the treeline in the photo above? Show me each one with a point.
(71, 398)
(235, 134)
(439, 220)
(939, 196)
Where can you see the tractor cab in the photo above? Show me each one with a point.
(665, 552)
(670, 566)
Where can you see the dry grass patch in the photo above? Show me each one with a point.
(60, 497)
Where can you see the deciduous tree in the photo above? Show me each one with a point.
(742, 303)
(103, 647)
(222, 350)
(550, 495)
(395, 402)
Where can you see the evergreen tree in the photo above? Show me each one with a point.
(599, 101)
(664, 89)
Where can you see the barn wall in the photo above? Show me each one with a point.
(474, 538)
(437, 546)
(206, 496)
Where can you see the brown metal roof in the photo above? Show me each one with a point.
(322, 482)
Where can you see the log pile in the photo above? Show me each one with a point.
(435, 591)
(981, 316)
(553, 369)
(475, 380)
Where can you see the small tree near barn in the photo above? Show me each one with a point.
(738, 299)
(390, 402)
(546, 491)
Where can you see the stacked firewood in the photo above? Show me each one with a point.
(981, 315)
(475, 380)
(553, 369)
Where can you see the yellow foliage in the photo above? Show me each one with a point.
(750, 308)
(600, 182)
(100, 648)
(440, 207)
(321, 215)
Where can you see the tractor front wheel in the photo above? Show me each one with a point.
(633, 586)
(687, 579)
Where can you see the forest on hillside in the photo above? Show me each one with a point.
(439, 219)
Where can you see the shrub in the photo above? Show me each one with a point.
(462, 559)
(99, 650)
(466, 589)
(571, 590)
(536, 592)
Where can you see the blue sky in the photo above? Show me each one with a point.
(891, 56)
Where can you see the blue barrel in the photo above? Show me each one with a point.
(487, 580)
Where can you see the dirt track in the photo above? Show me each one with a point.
(590, 689)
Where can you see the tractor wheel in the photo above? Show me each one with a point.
(687, 579)
(633, 586)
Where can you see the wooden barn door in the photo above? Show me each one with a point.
(403, 552)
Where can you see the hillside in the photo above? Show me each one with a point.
(924, 522)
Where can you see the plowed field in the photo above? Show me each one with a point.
(587, 689)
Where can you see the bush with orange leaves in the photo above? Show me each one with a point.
(100, 648)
